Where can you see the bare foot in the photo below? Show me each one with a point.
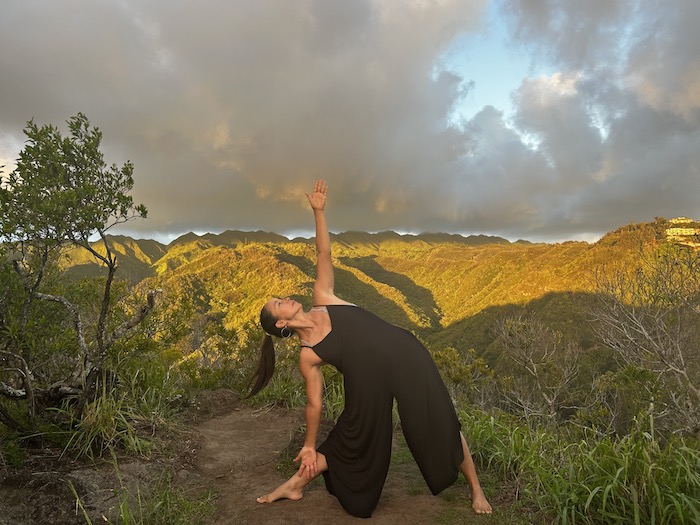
(287, 490)
(479, 503)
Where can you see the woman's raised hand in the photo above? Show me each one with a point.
(318, 198)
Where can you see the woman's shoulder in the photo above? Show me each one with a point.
(329, 300)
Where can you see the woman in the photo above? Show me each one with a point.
(379, 362)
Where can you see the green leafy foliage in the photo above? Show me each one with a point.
(56, 334)
(62, 188)
(467, 377)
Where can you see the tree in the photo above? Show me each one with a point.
(61, 193)
(547, 366)
(650, 316)
(467, 377)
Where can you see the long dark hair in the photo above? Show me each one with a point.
(266, 365)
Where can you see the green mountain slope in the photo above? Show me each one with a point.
(135, 258)
(440, 291)
(448, 289)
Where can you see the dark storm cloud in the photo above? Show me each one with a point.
(618, 123)
(230, 110)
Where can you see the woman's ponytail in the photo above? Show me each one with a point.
(266, 366)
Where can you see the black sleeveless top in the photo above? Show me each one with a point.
(381, 362)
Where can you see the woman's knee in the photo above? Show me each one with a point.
(321, 463)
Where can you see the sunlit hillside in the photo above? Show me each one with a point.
(448, 289)
(136, 258)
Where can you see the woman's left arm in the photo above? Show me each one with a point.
(323, 285)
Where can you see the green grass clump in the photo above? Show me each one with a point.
(107, 424)
(611, 480)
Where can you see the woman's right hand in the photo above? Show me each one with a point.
(318, 198)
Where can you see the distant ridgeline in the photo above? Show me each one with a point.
(448, 289)
(142, 258)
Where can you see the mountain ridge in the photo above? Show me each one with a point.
(444, 287)
(142, 258)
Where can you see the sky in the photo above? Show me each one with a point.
(545, 120)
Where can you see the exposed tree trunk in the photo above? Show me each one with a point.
(31, 289)
(22, 370)
(87, 374)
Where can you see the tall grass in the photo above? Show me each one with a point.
(126, 414)
(626, 480)
(576, 476)
(106, 424)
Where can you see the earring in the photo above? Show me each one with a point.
(288, 334)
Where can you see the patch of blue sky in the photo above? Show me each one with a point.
(490, 64)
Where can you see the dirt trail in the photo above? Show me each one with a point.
(238, 456)
(235, 450)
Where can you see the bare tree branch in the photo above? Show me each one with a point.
(551, 366)
(649, 317)
(75, 316)
(27, 379)
(14, 393)
(136, 319)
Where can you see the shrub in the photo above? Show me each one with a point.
(592, 481)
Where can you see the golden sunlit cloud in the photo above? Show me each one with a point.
(230, 109)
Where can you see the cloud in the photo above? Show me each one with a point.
(622, 134)
(230, 109)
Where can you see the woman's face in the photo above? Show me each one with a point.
(283, 309)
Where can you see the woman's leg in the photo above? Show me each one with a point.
(479, 502)
(294, 486)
